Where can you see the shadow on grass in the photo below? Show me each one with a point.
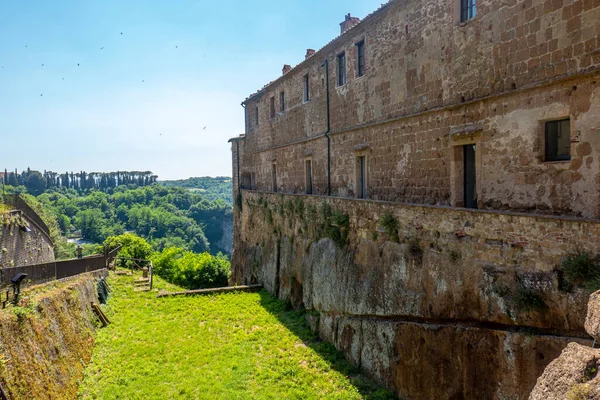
(295, 322)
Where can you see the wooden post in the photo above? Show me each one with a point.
(2, 394)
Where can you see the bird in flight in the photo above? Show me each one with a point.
(42, 65)
(204, 128)
(101, 48)
(78, 64)
(41, 94)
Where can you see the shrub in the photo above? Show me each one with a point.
(132, 246)
(528, 300)
(579, 392)
(191, 270)
(389, 223)
(455, 255)
(334, 225)
(582, 270)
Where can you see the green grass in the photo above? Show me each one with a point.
(230, 346)
(4, 208)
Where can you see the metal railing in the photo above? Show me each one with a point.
(15, 201)
(42, 273)
(36, 274)
(67, 268)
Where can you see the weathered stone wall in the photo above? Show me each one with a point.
(421, 306)
(433, 85)
(46, 342)
(18, 247)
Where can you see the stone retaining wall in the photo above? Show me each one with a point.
(446, 292)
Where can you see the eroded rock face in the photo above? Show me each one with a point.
(55, 341)
(592, 322)
(571, 376)
(459, 305)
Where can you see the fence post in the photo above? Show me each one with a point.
(151, 274)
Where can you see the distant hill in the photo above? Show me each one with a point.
(211, 188)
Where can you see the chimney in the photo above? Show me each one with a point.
(286, 68)
(348, 23)
(309, 53)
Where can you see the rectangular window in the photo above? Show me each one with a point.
(306, 89)
(558, 140)
(361, 177)
(468, 10)
(246, 180)
(256, 116)
(341, 64)
(309, 182)
(282, 101)
(360, 58)
(274, 176)
(272, 107)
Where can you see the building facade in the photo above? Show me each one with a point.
(496, 108)
(418, 184)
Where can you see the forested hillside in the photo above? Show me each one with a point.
(192, 215)
(211, 188)
(37, 182)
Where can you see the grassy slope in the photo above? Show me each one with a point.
(232, 346)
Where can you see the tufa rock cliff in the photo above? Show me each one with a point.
(574, 374)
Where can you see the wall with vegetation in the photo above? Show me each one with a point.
(434, 302)
(48, 339)
(20, 247)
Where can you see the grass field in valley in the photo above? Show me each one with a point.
(229, 346)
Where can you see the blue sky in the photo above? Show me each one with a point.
(144, 84)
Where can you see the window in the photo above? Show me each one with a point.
(309, 182)
(246, 180)
(558, 140)
(361, 177)
(256, 116)
(274, 176)
(468, 10)
(341, 60)
(360, 58)
(272, 107)
(306, 89)
(282, 101)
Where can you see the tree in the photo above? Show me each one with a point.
(35, 183)
(132, 246)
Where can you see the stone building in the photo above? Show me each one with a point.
(417, 92)
(461, 139)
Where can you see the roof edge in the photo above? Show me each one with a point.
(321, 50)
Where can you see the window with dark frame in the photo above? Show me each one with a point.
(558, 140)
(256, 116)
(361, 177)
(272, 107)
(468, 10)
(308, 179)
(282, 101)
(341, 64)
(274, 177)
(306, 89)
(360, 58)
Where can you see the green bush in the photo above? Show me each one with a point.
(191, 270)
(132, 246)
(389, 223)
(582, 270)
(528, 300)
